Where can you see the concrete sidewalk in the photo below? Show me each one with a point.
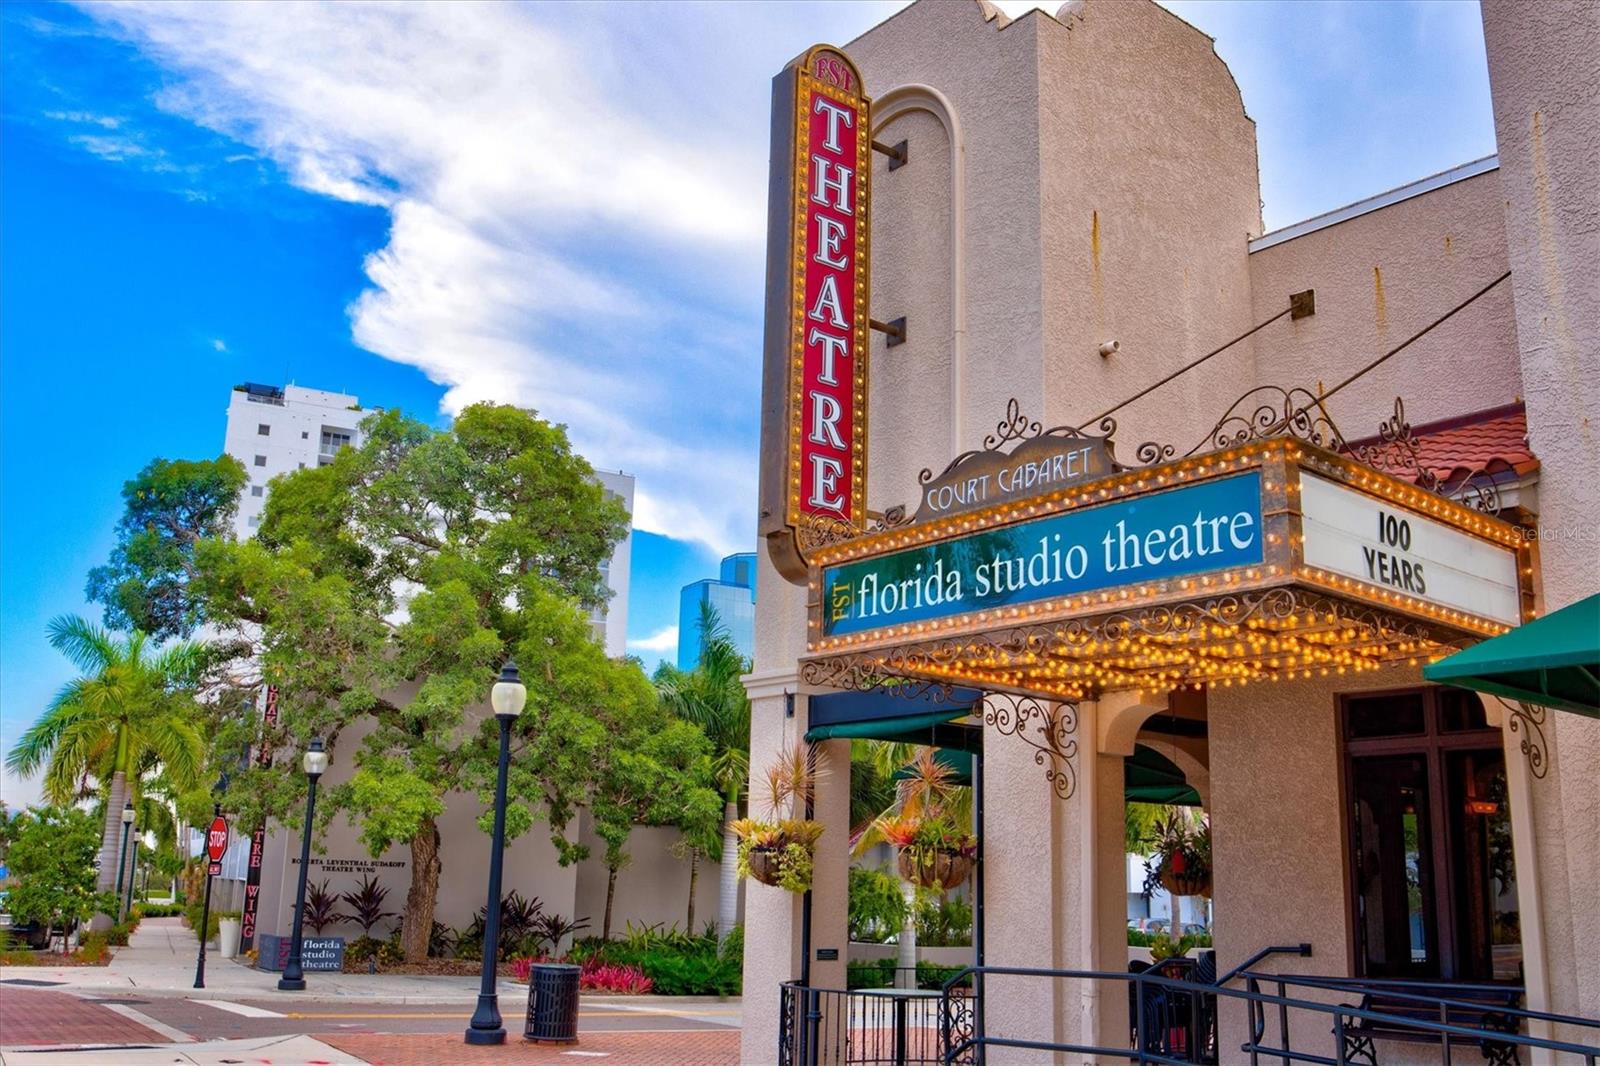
(160, 958)
(262, 1051)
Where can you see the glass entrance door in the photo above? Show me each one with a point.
(1393, 866)
(1432, 876)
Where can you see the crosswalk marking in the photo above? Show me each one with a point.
(242, 1009)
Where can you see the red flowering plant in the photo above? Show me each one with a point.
(1182, 857)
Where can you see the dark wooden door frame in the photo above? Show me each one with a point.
(1432, 744)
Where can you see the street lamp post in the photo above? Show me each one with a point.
(507, 698)
(122, 855)
(133, 874)
(315, 762)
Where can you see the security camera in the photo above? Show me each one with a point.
(1108, 348)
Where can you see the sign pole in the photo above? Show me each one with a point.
(216, 847)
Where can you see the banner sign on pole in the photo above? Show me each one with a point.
(258, 839)
(814, 431)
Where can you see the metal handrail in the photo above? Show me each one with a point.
(1303, 950)
(1339, 1012)
(1393, 989)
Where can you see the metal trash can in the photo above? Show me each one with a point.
(552, 1003)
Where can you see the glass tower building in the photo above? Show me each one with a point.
(732, 593)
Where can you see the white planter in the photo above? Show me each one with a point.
(228, 937)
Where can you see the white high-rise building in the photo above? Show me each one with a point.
(275, 429)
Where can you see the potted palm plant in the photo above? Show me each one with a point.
(933, 848)
(778, 850)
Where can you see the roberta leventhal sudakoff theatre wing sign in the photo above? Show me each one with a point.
(814, 424)
(1273, 559)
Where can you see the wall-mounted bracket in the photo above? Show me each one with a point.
(894, 330)
(1302, 304)
(899, 154)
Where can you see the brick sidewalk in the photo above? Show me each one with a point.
(698, 1047)
(33, 1016)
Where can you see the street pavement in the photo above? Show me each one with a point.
(142, 1008)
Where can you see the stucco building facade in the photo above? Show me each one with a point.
(1091, 177)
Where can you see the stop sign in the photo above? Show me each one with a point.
(217, 839)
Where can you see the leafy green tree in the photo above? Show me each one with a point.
(52, 857)
(713, 697)
(381, 593)
(132, 708)
(169, 508)
(655, 773)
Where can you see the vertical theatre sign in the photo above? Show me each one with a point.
(258, 839)
(814, 389)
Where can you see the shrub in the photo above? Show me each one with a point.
(362, 948)
(864, 973)
(158, 910)
(932, 975)
(322, 907)
(943, 921)
(93, 947)
(118, 934)
(692, 975)
(615, 978)
(877, 905)
(192, 913)
(366, 905)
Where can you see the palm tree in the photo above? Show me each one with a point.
(131, 708)
(713, 697)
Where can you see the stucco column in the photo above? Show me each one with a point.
(778, 718)
(1546, 90)
(771, 915)
(1029, 888)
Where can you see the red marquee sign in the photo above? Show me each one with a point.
(814, 427)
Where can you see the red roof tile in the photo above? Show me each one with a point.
(1485, 442)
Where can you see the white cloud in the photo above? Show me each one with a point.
(574, 226)
(661, 642)
(217, 344)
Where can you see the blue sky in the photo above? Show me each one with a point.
(557, 205)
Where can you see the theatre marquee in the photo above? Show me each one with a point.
(1270, 560)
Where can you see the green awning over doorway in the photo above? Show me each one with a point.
(1150, 777)
(1554, 661)
(908, 729)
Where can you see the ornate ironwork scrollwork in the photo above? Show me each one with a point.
(862, 674)
(1016, 426)
(1270, 411)
(1046, 726)
(956, 1027)
(1396, 451)
(1528, 719)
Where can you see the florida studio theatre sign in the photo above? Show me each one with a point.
(815, 378)
(1275, 514)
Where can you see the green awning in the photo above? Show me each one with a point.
(1554, 661)
(909, 729)
(1150, 777)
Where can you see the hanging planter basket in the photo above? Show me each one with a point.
(765, 864)
(934, 868)
(1189, 882)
